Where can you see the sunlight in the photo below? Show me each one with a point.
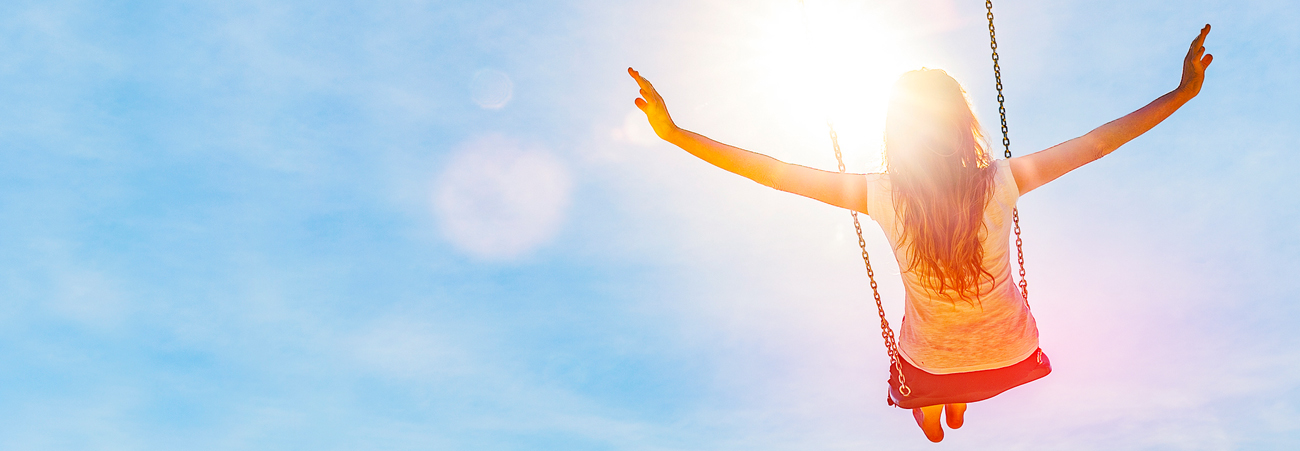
(839, 68)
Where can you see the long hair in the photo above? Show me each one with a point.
(939, 166)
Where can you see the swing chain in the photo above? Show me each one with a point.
(1006, 145)
(886, 332)
(1020, 254)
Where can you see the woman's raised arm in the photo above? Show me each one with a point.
(838, 189)
(1035, 170)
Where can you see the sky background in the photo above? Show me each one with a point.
(443, 225)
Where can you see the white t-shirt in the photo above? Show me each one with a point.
(943, 336)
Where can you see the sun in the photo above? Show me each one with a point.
(833, 61)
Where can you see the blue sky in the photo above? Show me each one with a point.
(442, 225)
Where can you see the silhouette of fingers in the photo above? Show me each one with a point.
(1200, 38)
(637, 76)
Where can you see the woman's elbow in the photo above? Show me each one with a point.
(1093, 146)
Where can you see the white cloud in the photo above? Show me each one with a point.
(401, 348)
(635, 129)
(87, 297)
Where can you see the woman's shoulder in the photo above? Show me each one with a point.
(878, 182)
(1004, 181)
(879, 195)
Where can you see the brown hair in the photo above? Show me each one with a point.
(940, 170)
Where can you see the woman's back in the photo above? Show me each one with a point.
(951, 334)
(938, 169)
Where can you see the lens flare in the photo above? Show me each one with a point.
(491, 89)
(498, 201)
(833, 62)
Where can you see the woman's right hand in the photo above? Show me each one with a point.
(653, 106)
(1194, 65)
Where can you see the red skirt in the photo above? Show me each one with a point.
(931, 389)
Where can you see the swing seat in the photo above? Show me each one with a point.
(932, 389)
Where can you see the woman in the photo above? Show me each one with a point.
(945, 207)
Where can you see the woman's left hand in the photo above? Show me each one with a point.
(653, 106)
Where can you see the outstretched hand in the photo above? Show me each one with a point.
(653, 106)
(1194, 65)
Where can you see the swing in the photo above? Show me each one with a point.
(900, 393)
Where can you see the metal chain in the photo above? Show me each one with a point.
(1006, 145)
(886, 332)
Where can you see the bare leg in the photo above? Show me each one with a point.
(928, 419)
(955, 414)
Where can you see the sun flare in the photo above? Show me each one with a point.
(833, 61)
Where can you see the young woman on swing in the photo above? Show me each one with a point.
(945, 207)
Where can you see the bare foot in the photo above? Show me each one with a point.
(928, 419)
(955, 414)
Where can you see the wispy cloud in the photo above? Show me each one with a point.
(290, 225)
